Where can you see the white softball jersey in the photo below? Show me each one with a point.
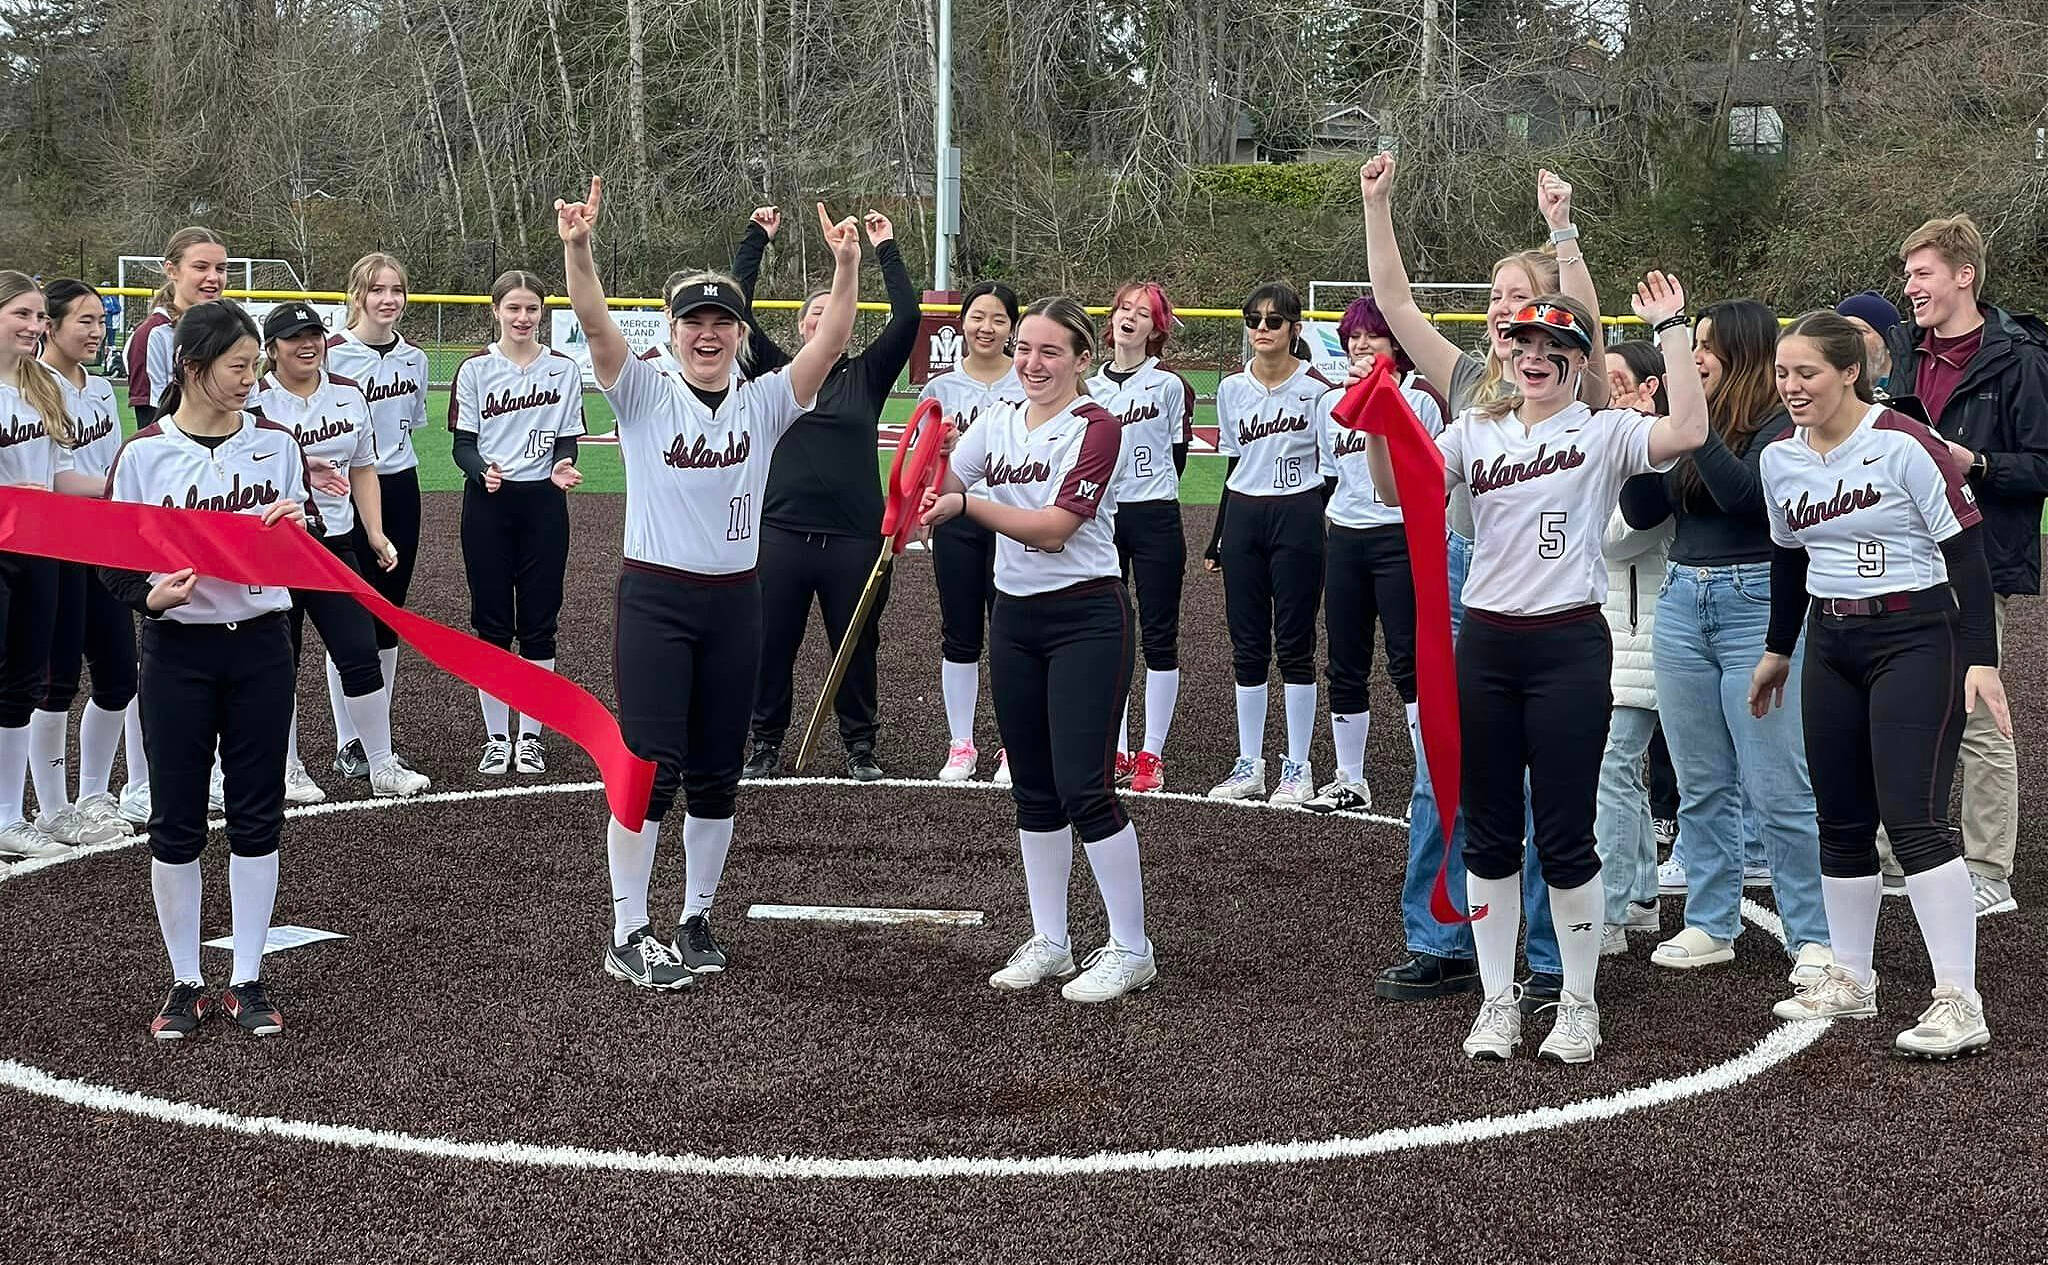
(1541, 496)
(253, 469)
(1871, 514)
(95, 424)
(1272, 432)
(1072, 461)
(517, 413)
(1157, 409)
(1356, 502)
(394, 384)
(27, 453)
(334, 431)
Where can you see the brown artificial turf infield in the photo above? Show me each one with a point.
(468, 1003)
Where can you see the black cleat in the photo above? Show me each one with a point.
(1539, 990)
(249, 1005)
(694, 945)
(351, 762)
(646, 962)
(765, 762)
(182, 1013)
(1424, 975)
(861, 766)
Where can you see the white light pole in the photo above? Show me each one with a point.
(946, 172)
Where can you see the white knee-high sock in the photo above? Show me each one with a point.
(132, 751)
(1162, 693)
(99, 732)
(1852, 904)
(1944, 904)
(1048, 866)
(14, 745)
(1251, 721)
(631, 854)
(1121, 880)
(705, 841)
(388, 661)
(46, 768)
(960, 684)
(1496, 933)
(176, 888)
(291, 749)
(370, 715)
(337, 702)
(1123, 730)
(1300, 702)
(528, 726)
(497, 716)
(1349, 730)
(252, 887)
(1578, 913)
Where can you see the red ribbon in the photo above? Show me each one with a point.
(239, 549)
(1374, 404)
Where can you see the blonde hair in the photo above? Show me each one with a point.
(1958, 241)
(1509, 399)
(1541, 265)
(364, 275)
(37, 385)
(166, 296)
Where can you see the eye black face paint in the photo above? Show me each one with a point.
(1561, 365)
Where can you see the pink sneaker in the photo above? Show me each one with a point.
(959, 763)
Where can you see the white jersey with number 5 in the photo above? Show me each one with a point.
(695, 476)
(1272, 433)
(1871, 514)
(1356, 502)
(1157, 409)
(517, 414)
(1541, 497)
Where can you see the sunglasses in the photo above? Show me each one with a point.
(1271, 320)
(1546, 314)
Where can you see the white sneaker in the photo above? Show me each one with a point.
(1498, 1029)
(1894, 884)
(135, 803)
(1035, 961)
(1691, 949)
(1811, 963)
(1833, 994)
(1345, 795)
(21, 839)
(530, 755)
(1993, 895)
(1575, 1036)
(104, 807)
(71, 826)
(1756, 876)
(1644, 917)
(960, 761)
(1671, 879)
(497, 757)
(1953, 1025)
(1614, 941)
(1110, 972)
(299, 786)
(1247, 780)
(1002, 777)
(391, 779)
(1297, 784)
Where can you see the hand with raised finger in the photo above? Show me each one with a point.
(843, 237)
(1376, 178)
(575, 221)
(879, 228)
(769, 218)
(1658, 298)
(1553, 199)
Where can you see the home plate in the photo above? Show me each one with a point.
(278, 939)
(855, 913)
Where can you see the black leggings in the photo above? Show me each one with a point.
(1663, 779)
(964, 565)
(1059, 666)
(1367, 580)
(1153, 550)
(515, 551)
(91, 629)
(203, 684)
(28, 620)
(1882, 708)
(1534, 696)
(685, 653)
(1272, 558)
(796, 568)
(345, 627)
(400, 494)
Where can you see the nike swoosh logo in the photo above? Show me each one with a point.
(262, 456)
(1868, 460)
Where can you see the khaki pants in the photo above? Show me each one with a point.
(1991, 791)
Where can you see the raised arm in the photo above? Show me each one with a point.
(835, 324)
(885, 357)
(746, 269)
(1660, 302)
(1574, 280)
(1432, 353)
(575, 221)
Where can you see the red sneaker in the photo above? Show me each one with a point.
(1148, 772)
(1124, 767)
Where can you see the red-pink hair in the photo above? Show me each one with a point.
(1161, 309)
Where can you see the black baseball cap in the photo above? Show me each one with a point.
(287, 319)
(718, 294)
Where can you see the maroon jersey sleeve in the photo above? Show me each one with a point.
(1961, 501)
(1081, 491)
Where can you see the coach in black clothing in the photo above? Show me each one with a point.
(821, 526)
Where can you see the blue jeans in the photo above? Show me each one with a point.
(1736, 773)
(1622, 832)
(1425, 846)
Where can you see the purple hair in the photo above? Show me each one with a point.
(1364, 317)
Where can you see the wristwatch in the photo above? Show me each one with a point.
(1559, 236)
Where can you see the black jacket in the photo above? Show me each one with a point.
(2000, 410)
(823, 477)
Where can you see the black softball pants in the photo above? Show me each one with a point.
(91, 629)
(1367, 581)
(685, 653)
(1153, 551)
(401, 498)
(28, 621)
(797, 568)
(1059, 667)
(964, 566)
(347, 629)
(515, 551)
(202, 684)
(1272, 557)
